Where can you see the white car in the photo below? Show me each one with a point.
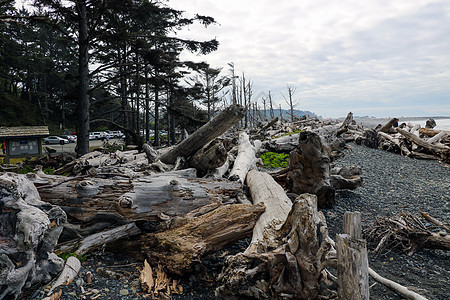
(95, 135)
(55, 140)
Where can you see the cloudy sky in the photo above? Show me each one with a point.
(375, 57)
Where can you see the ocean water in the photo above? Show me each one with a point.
(441, 124)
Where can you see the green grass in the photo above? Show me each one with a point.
(275, 160)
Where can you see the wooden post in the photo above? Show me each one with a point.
(353, 265)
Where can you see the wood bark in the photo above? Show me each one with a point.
(211, 156)
(116, 202)
(179, 247)
(309, 169)
(211, 130)
(246, 158)
(353, 277)
(289, 265)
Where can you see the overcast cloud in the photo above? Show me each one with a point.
(375, 57)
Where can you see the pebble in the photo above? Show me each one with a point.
(124, 292)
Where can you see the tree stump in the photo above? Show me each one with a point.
(309, 169)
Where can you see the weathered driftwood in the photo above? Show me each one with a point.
(116, 202)
(265, 190)
(396, 142)
(152, 154)
(434, 221)
(282, 144)
(399, 289)
(429, 132)
(246, 158)
(441, 151)
(99, 239)
(344, 126)
(369, 139)
(268, 125)
(289, 268)
(346, 177)
(211, 130)
(181, 246)
(68, 274)
(436, 138)
(353, 265)
(404, 233)
(309, 169)
(211, 156)
(30, 229)
(388, 126)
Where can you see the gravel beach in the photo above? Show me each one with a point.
(391, 184)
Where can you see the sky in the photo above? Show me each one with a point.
(381, 58)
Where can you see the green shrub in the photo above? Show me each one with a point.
(275, 160)
(66, 255)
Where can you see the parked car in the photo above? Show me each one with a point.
(95, 135)
(70, 138)
(55, 140)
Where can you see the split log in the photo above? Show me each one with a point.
(246, 158)
(353, 265)
(210, 157)
(288, 267)
(387, 128)
(179, 247)
(309, 169)
(211, 130)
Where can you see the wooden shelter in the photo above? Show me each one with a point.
(22, 141)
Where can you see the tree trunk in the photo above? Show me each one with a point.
(214, 128)
(209, 157)
(83, 71)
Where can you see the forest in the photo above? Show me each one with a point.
(91, 65)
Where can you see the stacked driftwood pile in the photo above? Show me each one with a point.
(196, 193)
(405, 139)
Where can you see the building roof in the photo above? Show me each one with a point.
(24, 131)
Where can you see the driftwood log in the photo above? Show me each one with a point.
(211, 130)
(246, 158)
(29, 232)
(309, 169)
(290, 265)
(179, 247)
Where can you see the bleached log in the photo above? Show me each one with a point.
(436, 138)
(264, 189)
(105, 237)
(437, 149)
(399, 289)
(68, 274)
(220, 171)
(344, 126)
(211, 130)
(246, 158)
(429, 132)
(268, 125)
